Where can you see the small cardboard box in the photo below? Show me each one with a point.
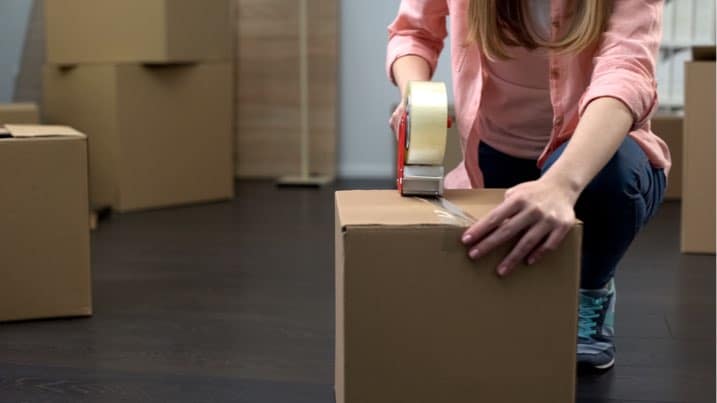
(158, 135)
(417, 321)
(698, 176)
(44, 233)
(669, 128)
(146, 31)
(19, 113)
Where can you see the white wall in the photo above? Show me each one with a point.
(14, 16)
(366, 147)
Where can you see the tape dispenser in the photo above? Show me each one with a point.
(422, 133)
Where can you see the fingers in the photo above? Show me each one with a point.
(476, 232)
(531, 213)
(501, 231)
(395, 120)
(527, 243)
(551, 243)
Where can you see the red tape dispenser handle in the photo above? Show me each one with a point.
(402, 146)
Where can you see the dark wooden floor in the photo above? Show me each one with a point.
(233, 302)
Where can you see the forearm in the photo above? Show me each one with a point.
(600, 132)
(410, 68)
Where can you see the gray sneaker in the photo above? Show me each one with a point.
(596, 328)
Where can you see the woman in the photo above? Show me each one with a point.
(553, 100)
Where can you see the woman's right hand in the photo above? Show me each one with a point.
(395, 118)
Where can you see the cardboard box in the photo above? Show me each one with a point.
(19, 113)
(698, 176)
(158, 135)
(45, 237)
(417, 321)
(669, 128)
(149, 31)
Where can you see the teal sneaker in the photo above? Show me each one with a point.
(596, 328)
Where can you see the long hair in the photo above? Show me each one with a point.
(497, 24)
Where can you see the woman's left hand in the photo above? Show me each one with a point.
(540, 213)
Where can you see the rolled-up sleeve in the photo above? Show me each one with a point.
(624, 65)
(419, 29)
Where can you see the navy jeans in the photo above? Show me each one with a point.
(613, 207)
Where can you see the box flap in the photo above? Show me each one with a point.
(18, 106)
(389, 208)
(24, 131)
(703, 53)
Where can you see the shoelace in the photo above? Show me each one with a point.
(589, 310)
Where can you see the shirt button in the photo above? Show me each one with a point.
(558, 120)
(554, 72)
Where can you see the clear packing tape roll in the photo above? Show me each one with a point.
(427, 116)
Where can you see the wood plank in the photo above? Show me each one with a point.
(268, 87)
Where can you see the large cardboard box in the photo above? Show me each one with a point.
(669, 129)
(23, 113)
(158, 135)
(44, 231)
(150, 31)
(698, 176)
(417, 321)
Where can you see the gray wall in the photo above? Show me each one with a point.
(14, 16)
(28, 85)
(366, 148)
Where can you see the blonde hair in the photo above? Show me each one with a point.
(497, 24)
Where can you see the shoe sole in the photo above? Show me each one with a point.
(606, 366)
(588, 368)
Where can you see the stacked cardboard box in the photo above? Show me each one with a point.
(19, 113)
(151, 83)
(669, 128)
(45, 258)
(698, 175)
(417, 321)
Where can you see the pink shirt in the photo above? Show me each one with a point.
(621, 65)
(523, 92)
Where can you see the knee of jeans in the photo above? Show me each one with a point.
(618, 181)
